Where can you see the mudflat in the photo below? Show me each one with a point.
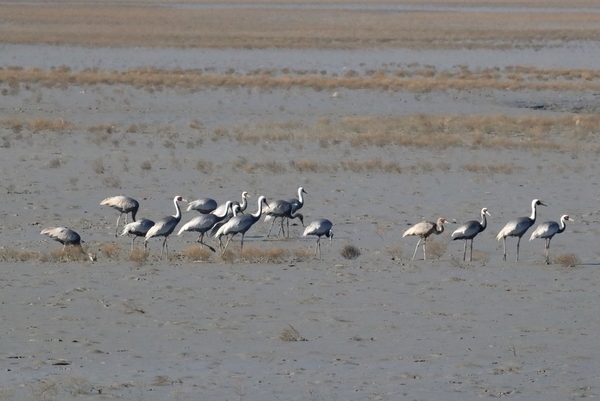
(381, 135)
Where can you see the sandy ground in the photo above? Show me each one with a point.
(378, 327)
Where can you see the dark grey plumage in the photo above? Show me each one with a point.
(240, 224)
(469, 230)
(547, 230)
(204, 223)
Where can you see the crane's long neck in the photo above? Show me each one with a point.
(533, 211)
(257, 214)
(226, 212)
(244, 203)
(483, 221)
(300, 197)
(562, 225)
(177, 209)
(439, 228)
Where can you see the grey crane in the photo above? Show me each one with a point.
(547, 230)
(123, 204)
(204, 205)
(136, 229)
(235, 209)
(285, 210)
(240, 224)
(518, 227)
(241, 206)
(319, 227)
(469, 230)
(204, 223)
(165, 226)
(64, 235)
(423, 230)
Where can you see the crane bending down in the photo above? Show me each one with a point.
(63, 235)
(469, 230)
(518, 227)
(123, 204)
(423, 230)
(204, 205)
(137, 229)
(240, 224)
(547, 230)
(204, 223)
(320, 227)
(165, 226)
(241, 206)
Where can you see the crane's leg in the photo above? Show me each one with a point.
(132, 242)
(465, 251)
(117, 227)
(288, 226)
(518, 243)
(471, 257)
(270, 228)
(504, 241)
(548, 250)
(226, 244)
(242, 245)
(416, 248)
(319, 245)
(424, 251)
(282, 229)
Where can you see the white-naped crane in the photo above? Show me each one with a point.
(241, 206)
(203, 205)
(280, 208)
(240, 224)
(165, 226)
(549, 229)
(469, 230)
(423, 230)
(203, 223)
(320, 228)
(123, 204)
(136, 229)
(518, 227)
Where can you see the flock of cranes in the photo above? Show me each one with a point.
(226, 220)
(229, 220)
(469, 230)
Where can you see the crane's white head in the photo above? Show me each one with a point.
(301, 190)
(180, 199)
(245, 195)
(537, 202)
(485, 211)
(566, 217)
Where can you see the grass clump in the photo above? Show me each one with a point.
(256, 255)
(139, 256)
(14, 255)
(350, 252)
(567, 259)
(111, 251)
(196, 252)
(290, 333)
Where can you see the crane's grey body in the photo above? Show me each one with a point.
(241, 206)
(164, 227)
(204, 223)
(423, 230)
(136, 229)
(235, 209)
(469, 230)
(518, 227)
(64, 235)
(547, 230)
(320, 228)
(281, 209)
(123, 204)
(204, 205)
(240, 224)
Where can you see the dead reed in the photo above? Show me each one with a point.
(139, 256)
(110, 250)
(436, 249)
(130, 24)
(272, 255)
(350, 252)
(567, 259)
(197, 253)
(17, 255)
(291, 334)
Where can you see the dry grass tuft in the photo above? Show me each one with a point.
(139, 256)
(303, 254)
(146, 166)
(111, 250)
(307, 166)
(21, 255)
(98, 165)
(40, 124)
(256, 255)
(396, 252)
(228, 256)
(69, 254)
(290, 333)
(567, 259)
(54, 163)
(204, 166)
(436, 249)
(197, 252)
(350, 252)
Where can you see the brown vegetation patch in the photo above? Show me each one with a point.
(350, 252)
(567, 259)
(197, 252)
(290, 333)
(17, 255)
(110, 250)
(272, 255)
(139, 256)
